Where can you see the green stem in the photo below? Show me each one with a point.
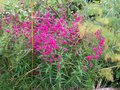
(27, 74)
(112, 67)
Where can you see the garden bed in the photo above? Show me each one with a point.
(58, 44)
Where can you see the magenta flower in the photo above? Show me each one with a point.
(102, 41)
(65, 49)
(96, 57)
(51, 60)
(95, 49)
(85, 68)
(8, 31)
(89, 57)
(100, 52)
(91, 65)
(59, 66)
(59, 57)
(51, 34)
(98, 34)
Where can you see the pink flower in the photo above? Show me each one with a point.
(59, 66)
(98, 34)
(100, 52)
(89, 57)
(51, 34)
(77, 19)
(95, 49)
(96, 57)
(65, 49)
(91, 65)
(8, 31)
(85, 68)
(51, 60)
(102, 41)
(59, 57)
(63, 42)
(38, 48)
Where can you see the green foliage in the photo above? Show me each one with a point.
(15, 63)
(107, 73)
(105, 16)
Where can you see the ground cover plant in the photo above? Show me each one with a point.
(59, 45)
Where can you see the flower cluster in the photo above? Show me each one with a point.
(51, 35)
(99, 49)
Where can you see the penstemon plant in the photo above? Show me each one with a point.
(63, 59)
